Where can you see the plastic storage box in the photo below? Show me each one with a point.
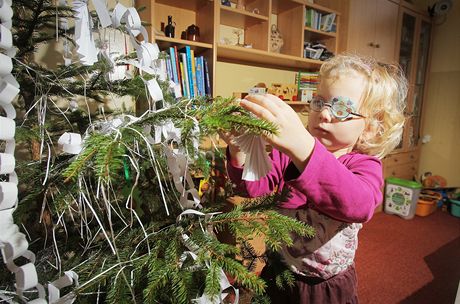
(425, 207)
(428, 202)
(455, 207)
(401, 197)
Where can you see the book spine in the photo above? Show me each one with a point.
(173, 64)
(168, 67)
(184, 87)
(207, 81)
(202, 76)
(189, 70)
(185, 74)
(176, 54)
(198, 75)
(195, 89)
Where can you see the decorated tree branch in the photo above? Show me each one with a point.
(107, 205)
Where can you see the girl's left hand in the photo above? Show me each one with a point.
(293, 139)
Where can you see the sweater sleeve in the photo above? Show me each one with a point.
(347, 188)
(266, 185)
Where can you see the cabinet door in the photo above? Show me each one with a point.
(361, 27)
(406, 56)
(419, 83)
(386, 26)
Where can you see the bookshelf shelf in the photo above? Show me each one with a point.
(320, 34)
(240, 18)
(233, 53)
(166, 42)
(320, 8)
(190, 5)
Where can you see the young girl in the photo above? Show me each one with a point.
(332, 169)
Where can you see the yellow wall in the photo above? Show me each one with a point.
(442, 105)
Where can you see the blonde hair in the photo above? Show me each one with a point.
(383, 101)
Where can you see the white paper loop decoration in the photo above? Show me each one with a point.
(7, 163)
(8, 195)
(70, 143)
(257, 163)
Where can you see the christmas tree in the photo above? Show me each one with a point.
(118, 206)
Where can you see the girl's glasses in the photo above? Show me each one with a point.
(340, 107)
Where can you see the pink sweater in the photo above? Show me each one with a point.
(347, 188)
(333, 195)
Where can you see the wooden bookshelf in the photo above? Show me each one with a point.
(254, 19)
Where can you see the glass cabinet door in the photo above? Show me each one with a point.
(413, 58)
(419, 84)
(406, 49)
(407, 43)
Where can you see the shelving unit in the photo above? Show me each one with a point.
(255, 20)
(329, 39)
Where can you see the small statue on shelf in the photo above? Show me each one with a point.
(238, 33)
(276, 40)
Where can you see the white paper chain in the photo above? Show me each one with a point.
(13, 244)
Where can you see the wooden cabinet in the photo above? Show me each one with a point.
(254, 19)
(372, 28)
(401, 165)
(413, 51)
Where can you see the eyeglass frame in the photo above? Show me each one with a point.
(349, 105)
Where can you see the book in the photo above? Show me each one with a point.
(188, 68)
(207, 82)
(184, 86)
(176, 54)
(195, 89)
(168, 67)
(327, 22)
(185, 74)
(203, 90)
(173, 65)
(308, 17)
(199, 80)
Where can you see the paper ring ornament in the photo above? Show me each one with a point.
(6, 39)
(7, 91)
(15, 246)
(26, 277)
(6, 65)
(8, 195)
(7, 163)
(8, 128)
(6, 12)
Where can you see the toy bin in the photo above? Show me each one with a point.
(428, 202)
(455, 207)
(401, 197)
(425, 207)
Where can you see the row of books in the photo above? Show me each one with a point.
(307, 83)
(188, 71)
(319, 21)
